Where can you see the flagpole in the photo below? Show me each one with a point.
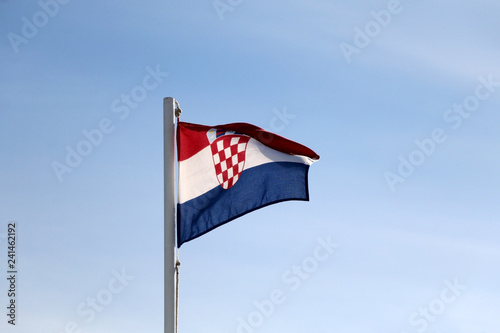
(169, 213)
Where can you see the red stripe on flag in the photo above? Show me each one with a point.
(192, 138)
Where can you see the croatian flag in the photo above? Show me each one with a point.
(226, 171)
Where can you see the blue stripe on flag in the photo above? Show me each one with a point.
(257, 187)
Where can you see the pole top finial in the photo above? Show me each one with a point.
(178, 109)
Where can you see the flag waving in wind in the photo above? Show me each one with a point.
(226, 171)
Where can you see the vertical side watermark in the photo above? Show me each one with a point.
(12, 240)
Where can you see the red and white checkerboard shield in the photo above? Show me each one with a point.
(228, 155)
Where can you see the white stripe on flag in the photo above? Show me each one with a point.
(197, 174)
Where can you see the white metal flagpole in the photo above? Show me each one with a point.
(169, 213)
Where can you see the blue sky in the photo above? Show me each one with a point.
(407, 187)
